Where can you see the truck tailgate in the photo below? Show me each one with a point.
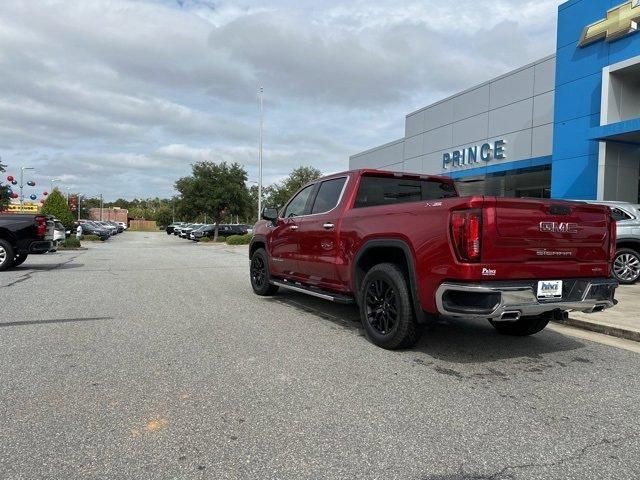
(547, 231)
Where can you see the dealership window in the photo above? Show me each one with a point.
(522, 183)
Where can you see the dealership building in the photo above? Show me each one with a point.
(565, 126)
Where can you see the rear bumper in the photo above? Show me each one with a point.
(508, 301)
(42, 246)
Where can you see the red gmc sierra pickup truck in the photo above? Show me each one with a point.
(406, 248)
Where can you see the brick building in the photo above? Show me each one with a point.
(113, 214)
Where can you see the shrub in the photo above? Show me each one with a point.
(221, 239)
(70, 242)
(206, 239)
(239, 239)
(90, 238)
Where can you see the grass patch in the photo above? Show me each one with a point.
(90, 238)
(70, 242)
(239, 239)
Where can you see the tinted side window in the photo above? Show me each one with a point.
(297, 204)
(619, 215)
(328, 195)
(376, 191)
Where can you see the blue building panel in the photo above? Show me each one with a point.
(580, 98)
(572, 138)
(575, 178)
(574, 63)
(577, 130)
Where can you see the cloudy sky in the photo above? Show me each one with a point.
(120, 96)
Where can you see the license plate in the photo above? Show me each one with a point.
(550, 289)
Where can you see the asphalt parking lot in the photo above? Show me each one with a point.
(149, 357)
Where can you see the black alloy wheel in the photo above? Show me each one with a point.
(259, 274)
(6, 255)
(386, 309)
(381, 306)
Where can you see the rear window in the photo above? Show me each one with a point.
(375, 191)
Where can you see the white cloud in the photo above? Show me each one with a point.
(121, 95)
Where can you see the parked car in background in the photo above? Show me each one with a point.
(203, 231)
(178, 229)
(106, 225)
(90, 228)
(230, 229)
(59, 234)
(117, 226)
(184, 232)
(123, 225)
(626, 262)
(170, 227)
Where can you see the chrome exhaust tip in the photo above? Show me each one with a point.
(510, 316)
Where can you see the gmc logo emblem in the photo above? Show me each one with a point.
(558, 227)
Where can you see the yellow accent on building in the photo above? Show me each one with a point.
(620, 21)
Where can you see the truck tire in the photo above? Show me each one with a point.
(386, 310)
(19, 259)
(523, 327)
(6, 255)
(626, 266)
(260, 275)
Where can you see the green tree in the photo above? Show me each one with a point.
(278, 194)
(4, 191)
(56, 205)
(164, 216)
(214, 189)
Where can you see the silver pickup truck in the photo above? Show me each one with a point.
(626, 263)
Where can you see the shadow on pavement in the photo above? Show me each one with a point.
(45, 267)
(57, 320)
(456, 341)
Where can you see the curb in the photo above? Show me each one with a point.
(605, 328)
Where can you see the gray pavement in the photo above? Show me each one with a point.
(149, 357)
(622, 321)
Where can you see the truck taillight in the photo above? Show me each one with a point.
(41, 226)
(466, 233)
(613, 238)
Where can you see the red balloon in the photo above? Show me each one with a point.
(15, 195)
(45, 193)
(10, 178)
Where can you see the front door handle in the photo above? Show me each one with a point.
(293, 227)
(328, 226)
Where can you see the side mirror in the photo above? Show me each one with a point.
(270, 214)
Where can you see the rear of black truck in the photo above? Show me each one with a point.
(22, 235)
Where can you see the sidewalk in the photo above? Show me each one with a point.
(621, 321)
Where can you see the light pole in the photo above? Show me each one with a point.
(51, 183)
(260, 155)
(101, 206)
(21, 186)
